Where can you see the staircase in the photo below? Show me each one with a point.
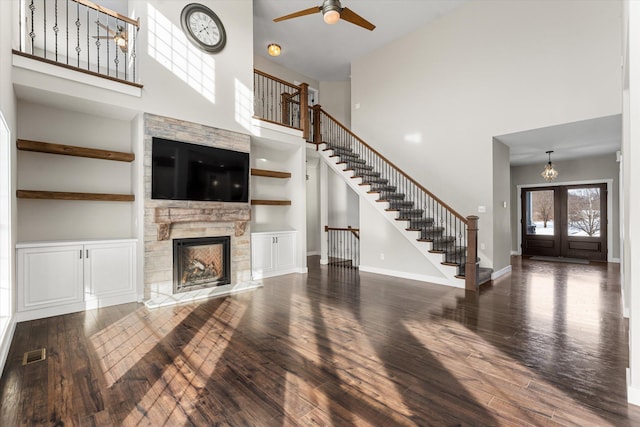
(446, 238)
(445, 250)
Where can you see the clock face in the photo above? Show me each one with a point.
(203, 27)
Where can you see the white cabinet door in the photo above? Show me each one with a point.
(261, 254)
(108, 271)
(273, 254)
(285, 251)
(49, 276)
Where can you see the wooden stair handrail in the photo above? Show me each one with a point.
(269, 76)
(353, 231)
(417, 184)
(109, 12)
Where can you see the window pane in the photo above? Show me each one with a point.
(540, 212)
(583, 212)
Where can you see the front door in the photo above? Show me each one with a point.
(565, 221)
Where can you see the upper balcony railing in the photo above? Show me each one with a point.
(82, 35)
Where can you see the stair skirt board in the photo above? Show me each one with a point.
(503, 271)
(354, 180)
(413, 276)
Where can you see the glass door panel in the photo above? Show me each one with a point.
(583, 212)
(539, 208)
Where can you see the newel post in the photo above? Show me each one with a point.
(304, 110)
(284, 102)
(470, 269)
(317, 136)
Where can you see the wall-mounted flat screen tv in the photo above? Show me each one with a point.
(183, 171)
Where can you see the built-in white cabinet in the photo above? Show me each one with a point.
(273, 253)
(63, 277)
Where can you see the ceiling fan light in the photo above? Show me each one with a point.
(331, 16)
(274, 49)
(119, 39)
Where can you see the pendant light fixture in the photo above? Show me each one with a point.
(549, 173)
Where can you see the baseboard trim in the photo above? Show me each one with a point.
(324, 261)
(5, 344)
(498, 274)
(411, 276)
(515, 253)
(633, 393)
(313, 253)
(614, 260)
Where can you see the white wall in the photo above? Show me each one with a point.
(343, 203)
(599, 168)
(271, 66)
(500, 208)
(631, 160)
(61, 219)
(8, 113)
(335, 99)
(314, 228)
(432, 101)
(384, 250)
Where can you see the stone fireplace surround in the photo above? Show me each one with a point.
(165, 220)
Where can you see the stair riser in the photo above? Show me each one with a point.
(383, 188)
(391, 196)
(395, 204)
(374, 181)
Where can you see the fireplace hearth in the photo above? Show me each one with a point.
(201, 262)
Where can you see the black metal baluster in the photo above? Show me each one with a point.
(116, 48)
(98, 40)
(55, 27)
(88, 41)
(44, 17)
(108, 39)
(67, 26)
(78, 50)
(124, 54)
(32, 33)
(133, 52)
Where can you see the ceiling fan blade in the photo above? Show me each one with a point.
(299, 13)
(105, 27)
(350, 16)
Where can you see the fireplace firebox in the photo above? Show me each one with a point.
(201, 262)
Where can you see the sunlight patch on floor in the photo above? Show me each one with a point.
(123, 344)
(482, 376)
(174, 394)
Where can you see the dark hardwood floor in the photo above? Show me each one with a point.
(544, 346)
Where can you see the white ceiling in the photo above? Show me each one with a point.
(324, 52)
(585, 138)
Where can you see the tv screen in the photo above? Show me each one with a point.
(183, 171)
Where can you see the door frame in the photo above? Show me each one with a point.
(608, 182)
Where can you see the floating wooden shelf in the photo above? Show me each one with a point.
(70, 150)
(269, 173)
(63, 195)
(271, 202)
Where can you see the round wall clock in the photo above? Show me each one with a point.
(203, 27)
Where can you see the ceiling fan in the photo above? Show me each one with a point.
(332, 11)
(119, 36)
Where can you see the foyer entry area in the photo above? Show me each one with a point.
(565, 221)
